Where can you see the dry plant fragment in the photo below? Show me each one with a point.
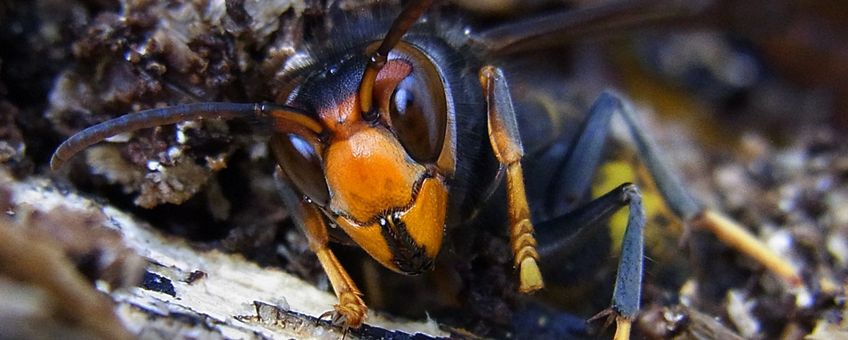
(70, 298)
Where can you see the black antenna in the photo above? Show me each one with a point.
(157, 117)
(404, 21)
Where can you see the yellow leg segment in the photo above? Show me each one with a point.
(731, 233)
(521, 232)
(351, 310)
(622, 328)
(506, 144)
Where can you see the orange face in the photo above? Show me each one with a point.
(388, 203)
(384, 201)
(384, 176)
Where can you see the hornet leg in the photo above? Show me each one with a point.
(581, 162)
(682, 203)
(554, 240)
(506, 144)
(585, 155)
(351, 310)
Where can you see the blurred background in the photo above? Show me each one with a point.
(749, 99)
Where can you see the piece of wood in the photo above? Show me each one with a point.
(206, 294)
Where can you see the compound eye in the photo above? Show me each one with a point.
(418, 112)
(302, 163)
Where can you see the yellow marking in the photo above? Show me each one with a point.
(612, 174)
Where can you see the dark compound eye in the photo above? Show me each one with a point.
(418, 111)
(303, 165)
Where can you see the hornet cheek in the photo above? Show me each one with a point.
(425, 220)
(405, 241)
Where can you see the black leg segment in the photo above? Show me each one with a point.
(670, 187)
(572, 223)
(561, 235)
(584, 157)
(628, 280)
